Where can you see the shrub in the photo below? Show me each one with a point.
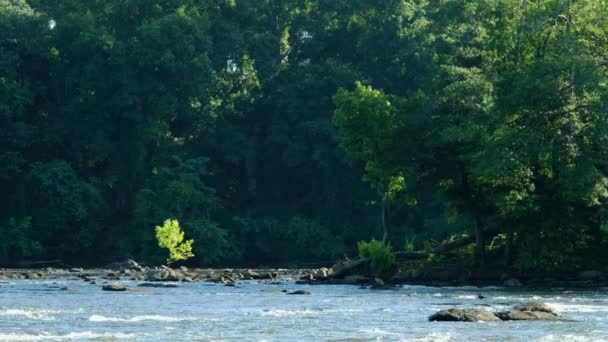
(381, 256)
(171, 236)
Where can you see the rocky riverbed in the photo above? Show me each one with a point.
(348, 272)
(156, 276)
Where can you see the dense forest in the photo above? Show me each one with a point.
(287, 131)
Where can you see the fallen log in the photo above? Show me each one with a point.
(346, 266)
(443, 248)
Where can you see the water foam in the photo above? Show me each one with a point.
(569, 338)
(377, 331)
(35, 314)
(69, 336)
(99, 318)
(562, 307)
(290, 313)
(434, 337)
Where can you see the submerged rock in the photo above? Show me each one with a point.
(114, 287)
(298, 292)
(162, 285)
(464, 315)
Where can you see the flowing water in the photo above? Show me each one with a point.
(39, 311)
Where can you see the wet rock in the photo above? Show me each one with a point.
(31, 275)
(67, 289)
(250, 275)
(161, 285)
(479, 296)
(322, 273)
(379, 284)
(112, 276)
(114, 287)
(530, 312)
(166, 274)
(298, 292)
(307, 278)
(126, 264)
(464, 315)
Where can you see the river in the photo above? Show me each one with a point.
(37, 310)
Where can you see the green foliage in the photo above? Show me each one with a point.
(213, 244)
(171, 236)
(241, 119)
(296, 239)
(410, 244)
(381, 256)
(18, 241)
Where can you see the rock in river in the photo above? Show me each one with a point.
(298, 292)
(464, 315)
(530, 312)
(524, 312)
(165, 285)
(114, 287)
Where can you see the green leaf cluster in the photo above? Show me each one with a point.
(171, 236)
(381, 256)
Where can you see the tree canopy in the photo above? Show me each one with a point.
(286, 131)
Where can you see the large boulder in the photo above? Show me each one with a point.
(524, 312)
(530, 312)
(165, 274)
(464, 315)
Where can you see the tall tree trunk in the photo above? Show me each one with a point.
(384, 218)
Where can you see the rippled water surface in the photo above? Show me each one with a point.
(40, 311)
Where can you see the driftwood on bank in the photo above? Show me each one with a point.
(345, 267)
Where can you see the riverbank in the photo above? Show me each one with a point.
(339, 274)
(132, 271)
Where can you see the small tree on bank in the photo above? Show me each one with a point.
(171, 236)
